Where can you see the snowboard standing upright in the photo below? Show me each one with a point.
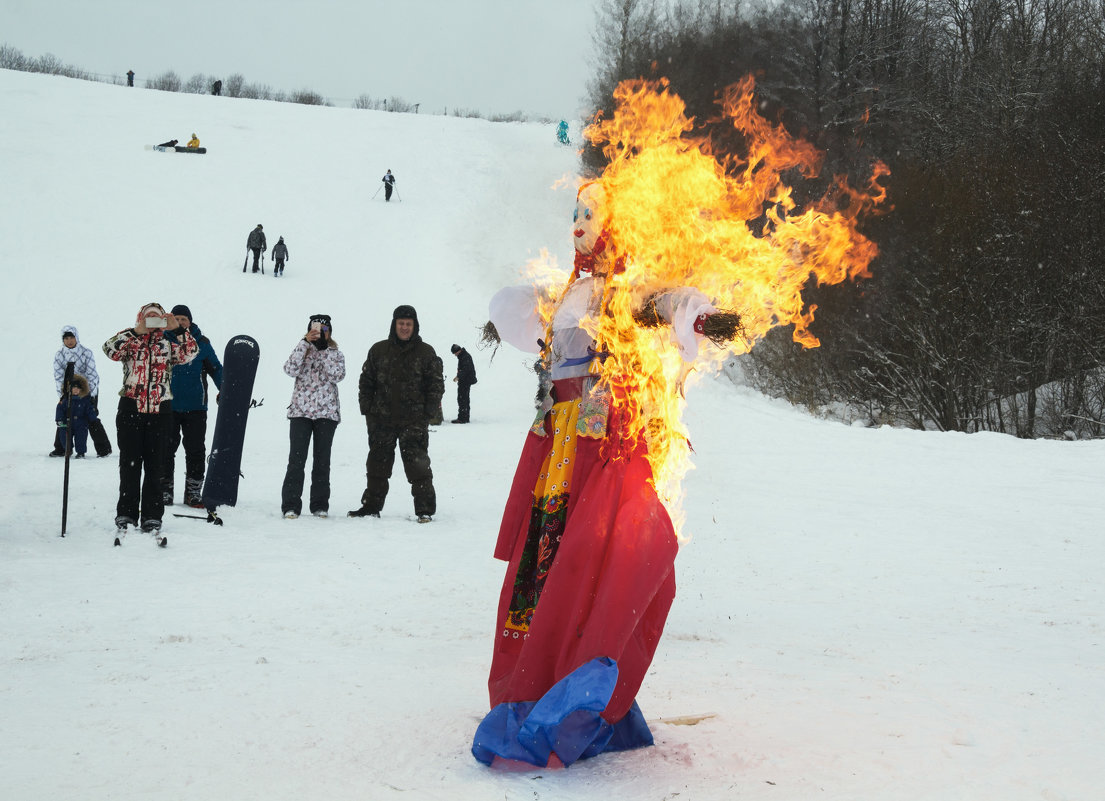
(224, 464)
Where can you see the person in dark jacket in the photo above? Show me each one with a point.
(389, 185)
(77, 411)
(257, 243)
(464, 379)
(279, 256)
(189, 415)
(400, 397)
(217, 88)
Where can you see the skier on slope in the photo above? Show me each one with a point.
(145, 401)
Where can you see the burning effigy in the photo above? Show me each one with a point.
(670, 277)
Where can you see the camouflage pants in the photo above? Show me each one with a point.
(414, 443)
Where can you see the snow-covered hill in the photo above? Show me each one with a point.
(867, 614)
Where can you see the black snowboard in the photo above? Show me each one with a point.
(220, 488)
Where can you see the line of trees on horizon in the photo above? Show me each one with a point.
(986, 308)
(234, 85)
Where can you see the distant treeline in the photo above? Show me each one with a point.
(234, 86)
(986, 309)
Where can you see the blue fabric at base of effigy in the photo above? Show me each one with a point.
(567, 720)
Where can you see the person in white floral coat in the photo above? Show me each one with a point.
(317, 365)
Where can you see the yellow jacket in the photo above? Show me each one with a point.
(194, 142)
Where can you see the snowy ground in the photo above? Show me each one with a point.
(868, 614)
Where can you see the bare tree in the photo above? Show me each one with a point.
(167, 81)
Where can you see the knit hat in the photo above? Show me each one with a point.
(181, 309)
(321, 318)
(455, 349)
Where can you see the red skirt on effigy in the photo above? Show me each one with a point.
(586, 594)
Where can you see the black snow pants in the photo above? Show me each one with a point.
(141, 439)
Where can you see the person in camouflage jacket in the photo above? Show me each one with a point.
(145, 410)
(400, 391)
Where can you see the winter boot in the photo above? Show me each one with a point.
(121, 523)
(193, 491)
(364, 511)
(154, 527)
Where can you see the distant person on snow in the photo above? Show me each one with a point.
(77, 408)
(562, 133)
(389, 185)
(258, 244)
(130, 77)
(217, 88)
(279, 255)
(194, 141)
(464, 379)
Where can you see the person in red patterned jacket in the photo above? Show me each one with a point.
(145, 406)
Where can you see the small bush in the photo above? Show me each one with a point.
(165, 82)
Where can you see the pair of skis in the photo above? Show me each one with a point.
(121, 534)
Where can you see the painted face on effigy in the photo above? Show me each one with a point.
(589, 219)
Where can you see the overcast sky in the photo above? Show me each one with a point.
(495, 56)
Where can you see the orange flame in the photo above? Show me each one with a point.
(681, 216)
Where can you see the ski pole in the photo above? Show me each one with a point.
(262, 262)
(66, 386)
(397, 195)
(377, 191)
(244, 263)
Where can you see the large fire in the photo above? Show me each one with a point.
(681, 215)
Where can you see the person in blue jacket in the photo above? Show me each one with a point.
(77, 411)
(189, 421)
